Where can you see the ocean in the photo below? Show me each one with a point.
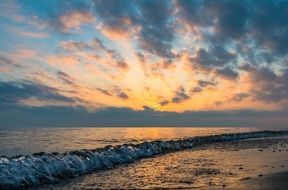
(129, 158)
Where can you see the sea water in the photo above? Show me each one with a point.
(33, 157)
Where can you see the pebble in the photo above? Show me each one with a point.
(245, 178)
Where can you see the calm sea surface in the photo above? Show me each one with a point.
(32, 140)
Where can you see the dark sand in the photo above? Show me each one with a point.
(275, 181)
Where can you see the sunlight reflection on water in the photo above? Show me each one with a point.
(31, 140)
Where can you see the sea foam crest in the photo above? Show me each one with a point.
(44, 168)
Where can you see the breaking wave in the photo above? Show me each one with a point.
(45, 168)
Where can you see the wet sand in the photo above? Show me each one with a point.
(262, 164)
(275, 181)
(252, 164)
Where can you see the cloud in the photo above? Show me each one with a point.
(112, 13)
(267, 85)
(192, 12)
(123, 95)
(80, 51)
(117, 18)
(73, 45)
(103, 91)
(157, 31)
(62, 60)
(259, 26)
(15, 59)
(15, 10)
(68, 17)
(240, 97)
(227, 73)
(29, 34)
(65, 78)
(164, 103)
(216, 56)
(122, 64)
(23, 53)
(73, 20)
(148, 19)
(94, 44)
(180, 96)
(8, 63)
(203, 83)
(115, 33)
(230, 17)
(70, 117)
(14, 92)
(269, 26)
(196, 90)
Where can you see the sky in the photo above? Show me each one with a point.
(143, 62)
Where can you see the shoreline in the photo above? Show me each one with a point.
(244, 164)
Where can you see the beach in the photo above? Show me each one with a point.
(244, 164)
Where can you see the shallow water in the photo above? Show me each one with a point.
(28, 141)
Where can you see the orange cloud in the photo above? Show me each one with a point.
(61, 60)
(74, 20)
(125, 32)
(115, 33)
(24, 54)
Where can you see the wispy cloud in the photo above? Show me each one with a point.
(28, 34)
(73, 20)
